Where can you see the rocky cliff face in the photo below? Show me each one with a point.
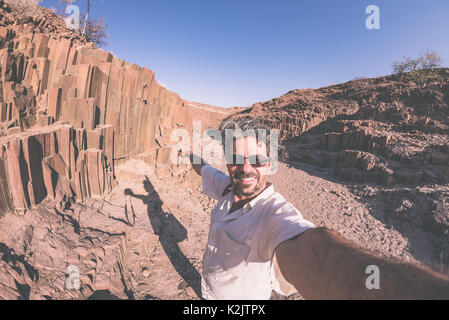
(71, 112)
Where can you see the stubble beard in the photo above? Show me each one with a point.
(241, 189)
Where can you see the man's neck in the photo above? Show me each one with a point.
(239, 202)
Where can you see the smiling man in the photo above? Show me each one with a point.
(249, 222)
(258, 241)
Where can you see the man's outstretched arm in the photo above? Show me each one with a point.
(323, 265)
(196, 161)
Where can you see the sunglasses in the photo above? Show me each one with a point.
(255, 161)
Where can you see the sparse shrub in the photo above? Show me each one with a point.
(420, 69)
(93, 28)
(24, 9)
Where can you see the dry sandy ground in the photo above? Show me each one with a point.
(328, 203)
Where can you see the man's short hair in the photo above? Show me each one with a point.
(250, 126)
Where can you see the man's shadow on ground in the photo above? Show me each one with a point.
(170, 232)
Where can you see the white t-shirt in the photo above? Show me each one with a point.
(238, 262)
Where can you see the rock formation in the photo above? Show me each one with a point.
(71, 112)
(385, 130)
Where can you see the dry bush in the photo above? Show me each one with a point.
(95, 31)
(420, 69)
(92, 27)
(24, 9)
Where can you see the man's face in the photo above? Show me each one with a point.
(248, 179)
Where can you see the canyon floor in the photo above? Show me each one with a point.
(175, 262)
(147, 238)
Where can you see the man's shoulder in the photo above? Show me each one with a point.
(277, 204)
(277, 199)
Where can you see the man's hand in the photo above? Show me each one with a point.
(323, 265)
(196, 161)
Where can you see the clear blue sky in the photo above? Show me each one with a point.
(238, 52)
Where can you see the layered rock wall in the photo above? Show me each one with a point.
(70, 113)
